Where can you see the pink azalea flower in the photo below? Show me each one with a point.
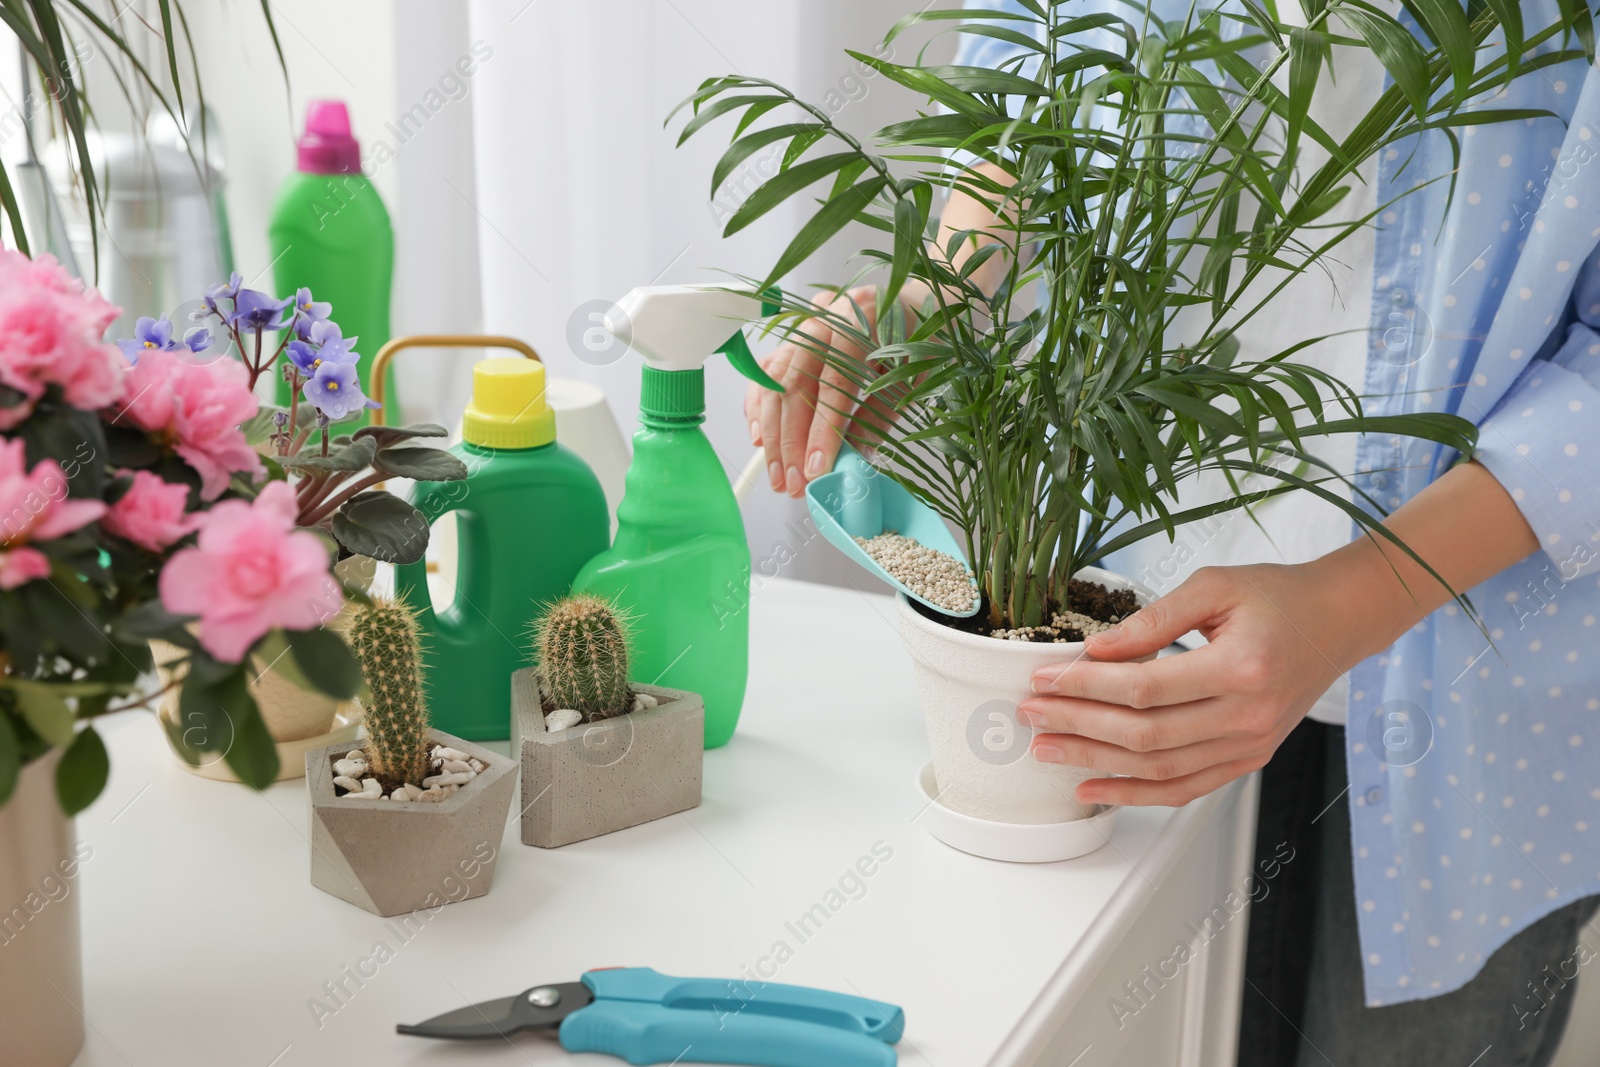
(251, 573)
(151, 514)
(50, 330)
(196, 409)
(34, 507)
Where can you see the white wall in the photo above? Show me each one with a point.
(583, 196)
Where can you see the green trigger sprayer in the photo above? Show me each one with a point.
(680, 565)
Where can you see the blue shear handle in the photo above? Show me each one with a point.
(641, 1032)
(647, 1017)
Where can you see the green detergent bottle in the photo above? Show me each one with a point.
(330, 233)
(680, 565)
(528, 515)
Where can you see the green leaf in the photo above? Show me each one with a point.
(1397, 50)
(833, 217)
(253, 757)
(1445, 22)
(10, 759)
(907, 243)
(780, 187)
(420, 462)
(355, 456)
(326, 661)
(274, 656)
(45, 710)
(744, 147)
(82, 772)
(1508, 13)
(382, 526)
(385, 436)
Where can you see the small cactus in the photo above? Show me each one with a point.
(384, 638)
(581, 648)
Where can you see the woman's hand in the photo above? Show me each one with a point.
(1184, 725)
(802, 428)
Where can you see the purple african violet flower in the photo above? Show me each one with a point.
(332, 345)
(257, 310)
(228, 290)
(303, 356)
(197, 339)
(149, 334)
(335, 390)
(308, 312)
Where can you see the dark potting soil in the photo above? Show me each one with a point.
(1083, 597)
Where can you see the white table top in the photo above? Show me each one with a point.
(206, 944)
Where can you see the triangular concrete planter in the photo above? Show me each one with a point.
(390, 857)
(597, 778)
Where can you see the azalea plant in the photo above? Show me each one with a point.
(134, 508)
(1139, 170)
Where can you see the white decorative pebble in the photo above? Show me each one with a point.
(356, 754)
(431, 796)
(347, 783)
(476, 765)
(447, 779)
(562, 718)
(449, 754)
(372, 788)
(401, 795)
(642, 701)
(456, 766)
(414, 791)
(351, 768)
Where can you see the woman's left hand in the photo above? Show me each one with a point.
(1184, 725)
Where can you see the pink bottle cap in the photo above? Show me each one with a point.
(327, 147)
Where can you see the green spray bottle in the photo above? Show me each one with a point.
(528, 514)
(680, 565)
(330, 233)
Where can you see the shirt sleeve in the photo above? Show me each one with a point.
(1542, 442)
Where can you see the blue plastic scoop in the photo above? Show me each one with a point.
(856, 499)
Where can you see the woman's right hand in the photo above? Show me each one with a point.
(802, 427)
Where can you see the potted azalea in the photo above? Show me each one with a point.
(334, 477)
(132, 511)
(1051, 435)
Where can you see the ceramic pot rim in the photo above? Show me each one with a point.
(1019, 650)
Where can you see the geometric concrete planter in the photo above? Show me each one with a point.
(390, 857)
(595, 778)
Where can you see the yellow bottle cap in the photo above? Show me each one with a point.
(509, 408)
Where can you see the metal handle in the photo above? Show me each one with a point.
(380, 362)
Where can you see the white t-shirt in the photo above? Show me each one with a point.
(1333, 298)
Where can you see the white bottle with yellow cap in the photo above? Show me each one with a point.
(529, 514)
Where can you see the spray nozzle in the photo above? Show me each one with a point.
(679, 327)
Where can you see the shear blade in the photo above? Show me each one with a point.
(502, 1017)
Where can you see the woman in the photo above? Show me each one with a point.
(1436, 790)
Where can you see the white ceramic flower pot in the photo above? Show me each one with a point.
(41, 958)
(970, 687)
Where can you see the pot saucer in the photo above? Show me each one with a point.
(1009, 841)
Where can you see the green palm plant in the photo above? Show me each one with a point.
(1054, 436)
(55, 37)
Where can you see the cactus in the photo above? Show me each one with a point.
(384, 638)
(581, 648)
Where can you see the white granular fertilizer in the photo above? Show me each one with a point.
(1055, 633)
(937, 577)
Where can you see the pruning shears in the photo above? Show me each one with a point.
(643, 1017)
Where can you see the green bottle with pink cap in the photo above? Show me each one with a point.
(330, 233)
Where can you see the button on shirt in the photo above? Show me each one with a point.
(1474, 789)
